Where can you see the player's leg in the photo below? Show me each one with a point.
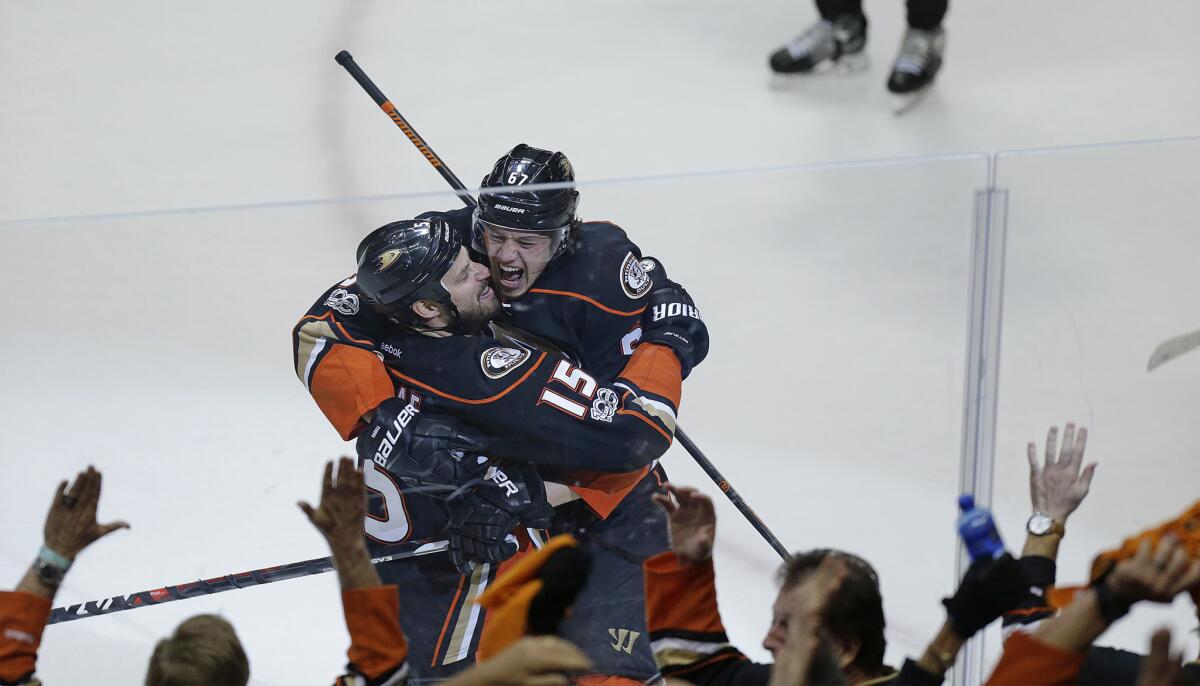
(838, 37)
(438, 613)
(608, 621)
(921, 49)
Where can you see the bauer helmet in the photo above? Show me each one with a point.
(403, 262)
(546, 211)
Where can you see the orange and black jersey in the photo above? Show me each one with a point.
(589, 300)
(686, 633)
(537, 406)
(532, 404)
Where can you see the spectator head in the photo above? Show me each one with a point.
(854, 620)
(203, 650)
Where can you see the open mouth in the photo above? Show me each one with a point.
(485, 293)
(510, 277)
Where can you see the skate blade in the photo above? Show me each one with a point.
(903, 102)
(852, 64)
(846, 66)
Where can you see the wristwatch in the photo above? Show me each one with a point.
(1042, 524)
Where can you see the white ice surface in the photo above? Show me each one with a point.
(157, 348)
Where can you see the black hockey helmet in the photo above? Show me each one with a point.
(403, 262)
(546, 211)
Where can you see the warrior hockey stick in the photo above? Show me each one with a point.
(343, 58)
(346, 60)
(229, 582)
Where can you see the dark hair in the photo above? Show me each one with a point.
(855, 611)
(203, 650)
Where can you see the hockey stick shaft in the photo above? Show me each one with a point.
(229, 582)
(345, 59)
(730, 492)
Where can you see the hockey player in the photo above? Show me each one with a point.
(584, 286)
(840, 37)
(529, 403)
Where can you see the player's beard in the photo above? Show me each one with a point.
(472, 321)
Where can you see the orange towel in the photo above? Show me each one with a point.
(510, 597)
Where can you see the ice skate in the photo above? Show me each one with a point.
(916, 66)
(826, 45)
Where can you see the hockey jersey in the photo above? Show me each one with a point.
(533, 405)
(589, 301)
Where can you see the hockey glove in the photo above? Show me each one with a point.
(482, 519)
(671, 319)
(990, 588)
(421, 450)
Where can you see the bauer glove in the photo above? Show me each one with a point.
(671, 319)
(482, 518)
(990, 588)
(421, 450)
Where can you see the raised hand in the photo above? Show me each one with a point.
(1060, 484)
(691, 522)
(71, 523)
(1157, 575)
(339, 517)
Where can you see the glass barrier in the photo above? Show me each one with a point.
(1102, 268)
(157, 348)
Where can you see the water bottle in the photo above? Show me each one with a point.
(978, 530)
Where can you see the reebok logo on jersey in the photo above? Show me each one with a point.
(344, 302)
(391, 349)
(665, 310)
(497, 362)
(634, 279)
(514, 210)
(388, 444)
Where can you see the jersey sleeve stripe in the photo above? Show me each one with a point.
(659, 410)
(590, 301)
(310, 334)
(314, 354)
(649, 422)
(468, 401)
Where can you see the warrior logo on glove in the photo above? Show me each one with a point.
(661, 312)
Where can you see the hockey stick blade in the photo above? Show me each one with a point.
(1172, 348)
(229, 582)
